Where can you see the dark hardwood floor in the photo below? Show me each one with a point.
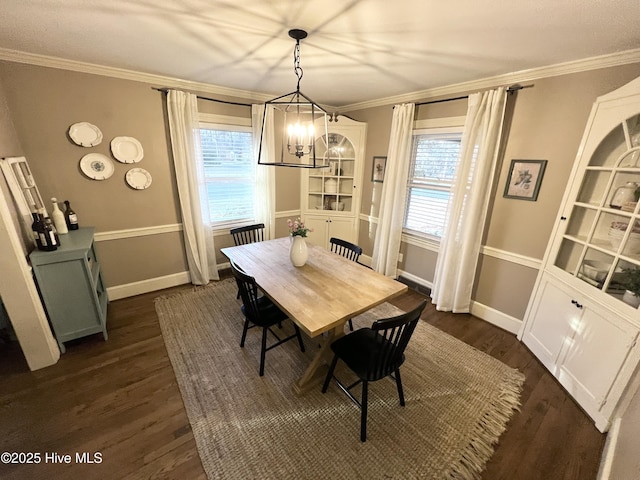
(120, 399)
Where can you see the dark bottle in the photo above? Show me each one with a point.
(70, 217)
(50, 226)
(36, 227)
(46, 238)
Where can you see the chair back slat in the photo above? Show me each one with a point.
(346, 249)
(393, 335)
(248, 234)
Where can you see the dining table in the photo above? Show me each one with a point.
(320, 296)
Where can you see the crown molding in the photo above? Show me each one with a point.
(577, 66)
(158, 80)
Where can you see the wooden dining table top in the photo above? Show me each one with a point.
(322, 294)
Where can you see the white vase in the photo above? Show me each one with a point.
(631, 298)
(298, 251)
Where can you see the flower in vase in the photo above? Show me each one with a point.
(297, 228)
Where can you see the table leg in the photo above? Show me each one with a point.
(317, 370)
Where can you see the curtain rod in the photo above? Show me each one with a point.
(511, 89)
(165, 90)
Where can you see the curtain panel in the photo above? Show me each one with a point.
(386, 247)
(473, 181)
(188, 163)
(265, 192)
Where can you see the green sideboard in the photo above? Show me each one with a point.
(70, 283)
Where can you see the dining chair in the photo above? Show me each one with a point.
(348, 250)
(373, 354)
(248, 234)
(259, 311)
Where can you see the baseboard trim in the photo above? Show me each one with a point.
(149, 285)
(608, 454)
(496, 317)
(416, 283)
(488, 314)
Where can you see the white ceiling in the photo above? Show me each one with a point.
(357, 50)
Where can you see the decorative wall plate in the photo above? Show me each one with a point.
(96, 166)
(127, 149)
(138, 178)
(85, 134)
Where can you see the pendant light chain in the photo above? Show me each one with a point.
(296, 63)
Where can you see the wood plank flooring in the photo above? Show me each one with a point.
(120, 398)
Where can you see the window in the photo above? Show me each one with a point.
(229, 170)
(434, 159)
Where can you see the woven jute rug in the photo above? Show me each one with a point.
(458, 401)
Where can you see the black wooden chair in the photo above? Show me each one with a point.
(248, 234)
(348, 250)
(372, 354)
(260, 311)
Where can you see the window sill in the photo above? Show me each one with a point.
(421, 241)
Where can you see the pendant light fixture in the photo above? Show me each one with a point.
(297, 121)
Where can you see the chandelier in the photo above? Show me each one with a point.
(297, 121)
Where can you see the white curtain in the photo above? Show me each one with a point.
(188, 163)
(460, 245)
(386, 246)
(265, 191)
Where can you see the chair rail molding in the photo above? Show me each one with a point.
(137, 232)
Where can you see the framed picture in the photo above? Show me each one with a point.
(379, 166)
(525, 177)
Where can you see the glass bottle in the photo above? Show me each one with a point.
(45, 237)
(50, 229)
(58, 218)
(36, 228)
(70, 217)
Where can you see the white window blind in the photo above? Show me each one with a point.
(229, 173)
(433, 163)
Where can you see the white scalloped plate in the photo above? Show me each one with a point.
(127, 149)
(96, 166)
(138, 178)
(85, 134)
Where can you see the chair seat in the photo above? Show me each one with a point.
(270, 314)
(351, 348)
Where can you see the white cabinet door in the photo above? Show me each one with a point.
(325, 227)
(551, 325)
(343, 228)
(583, 345)
(596, 355)
(319, 225)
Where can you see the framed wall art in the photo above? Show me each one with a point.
(525, 177)
(379, 166)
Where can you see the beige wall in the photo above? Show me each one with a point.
(44, 102)
(546, 122)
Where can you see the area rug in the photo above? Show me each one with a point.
(458, 401)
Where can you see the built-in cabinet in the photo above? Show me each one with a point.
(331, 196)
(579, 322)
(70, 282)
